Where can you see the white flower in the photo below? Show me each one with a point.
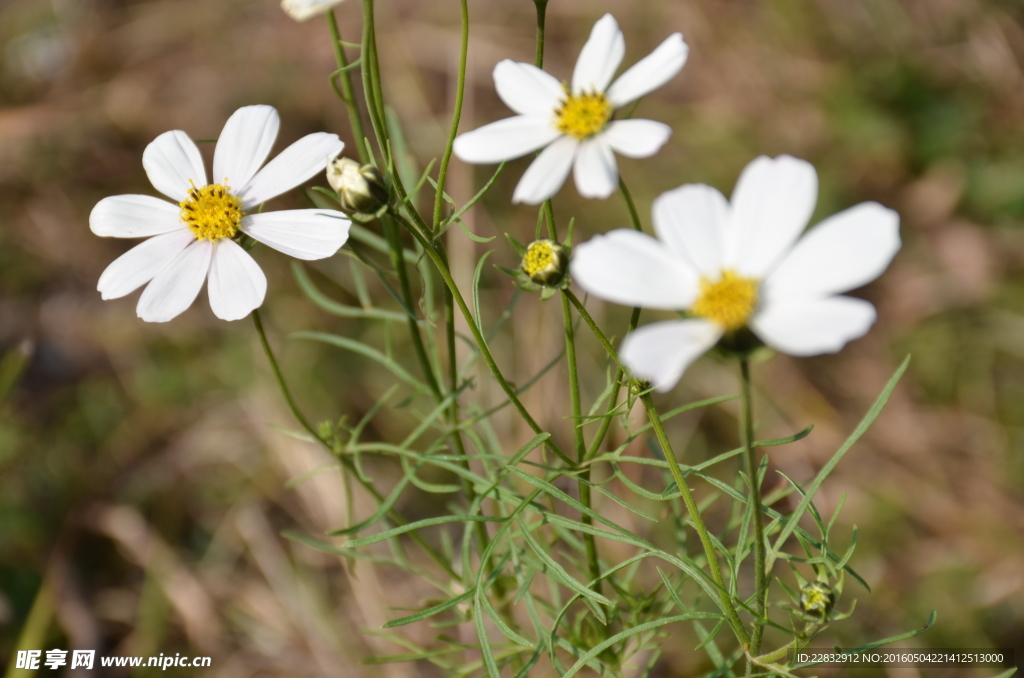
(300, 10)
(739, 265)
(575, 123)
(190, 240)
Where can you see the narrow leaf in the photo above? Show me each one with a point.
(365, 541)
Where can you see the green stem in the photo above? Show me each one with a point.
(750, 455)
(630, 205)
(454, 419)
(583, 483)
(347, 91)
(542, 6)
(677, 475)
(398, 262)
(696, 519)
(299, 417)
(449, 305)
(460, 91)
(481, 341)
(593, 563)
(620, 376)
(371, 88)
(374, 97)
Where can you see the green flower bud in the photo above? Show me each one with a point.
(638, 386)
(817, 599)
(361, 188)
(546, 262)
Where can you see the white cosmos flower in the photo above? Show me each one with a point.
(190, 239)
(575, 123)
(739, 265)
(300, 10)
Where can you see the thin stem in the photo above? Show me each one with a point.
(374, 97)
(455, 420)
(348, 92)
(593, 562)
(750, 455)
(583, 483)
(695, 518)
(633, 216)
(398, 262)
(299, 417)
(460, 91)
(481, 341)
(368, 69)
(449, 305)
(620, 376)
(542, 6)
(677, 475)
(282, 385)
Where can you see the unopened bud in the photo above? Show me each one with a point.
(360, 188)
(638, 386)
(817, 599)
(546, 262)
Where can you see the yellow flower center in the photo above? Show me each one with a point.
(729, 301)
(583, 115)
(538, 257)
(211, 212)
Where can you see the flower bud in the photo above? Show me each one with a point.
(360, 188)
(817, 599)
(638, 386)
(546, 262)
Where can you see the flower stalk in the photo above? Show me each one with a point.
(757, 512)
(347, 93)
(725, 600)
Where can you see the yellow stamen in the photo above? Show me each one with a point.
(583, 115)
(729, 301)
(538, 257)
(211, 212)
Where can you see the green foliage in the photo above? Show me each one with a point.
(541, 584)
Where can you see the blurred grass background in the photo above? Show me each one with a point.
(140, 476)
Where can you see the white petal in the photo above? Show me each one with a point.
(692, 220)
(633, 269)
(597, 175)
(547, 173)
(651, 72)
(173, 164)
(841, 253)
(237, 284)
(134, 216)
(526, 89)
(661, 352)
(142, 263)
(297, 163)
(506, 139)
(300, 10)
(303, 234)
(637, 138)
(600, 57)
(806, 327)
(244, 145)
(771, 205)
(175, 288)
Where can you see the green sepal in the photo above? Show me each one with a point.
(520, 248)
